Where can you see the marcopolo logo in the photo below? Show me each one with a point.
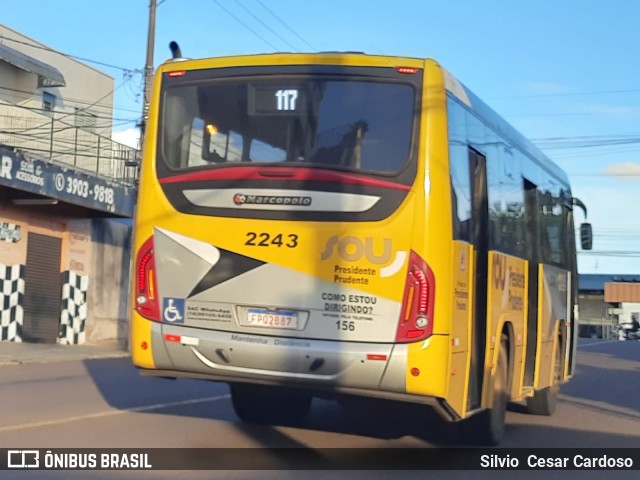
(244, 199)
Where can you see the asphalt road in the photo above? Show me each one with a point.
(104, 403)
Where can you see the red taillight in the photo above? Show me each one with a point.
(416, 317)
(146, 284)
(177, 73)
(143, 265)
(407, 70)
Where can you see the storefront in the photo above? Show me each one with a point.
(64, 253)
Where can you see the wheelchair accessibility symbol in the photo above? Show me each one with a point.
(173, 310)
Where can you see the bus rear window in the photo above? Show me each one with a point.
(304, 121)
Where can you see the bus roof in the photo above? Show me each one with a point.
(501, 126)
(452, 85)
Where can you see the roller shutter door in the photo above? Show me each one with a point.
(42, 289)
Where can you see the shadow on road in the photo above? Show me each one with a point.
(404, 425)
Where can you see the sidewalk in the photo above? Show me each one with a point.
(12, 353)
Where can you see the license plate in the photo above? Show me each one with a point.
(258, 317)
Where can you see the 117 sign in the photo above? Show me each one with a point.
(286, 100)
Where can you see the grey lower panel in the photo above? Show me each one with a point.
(323, 391)
(230, 355)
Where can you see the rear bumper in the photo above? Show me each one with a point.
(323, 391)
(229, 355)
(325, 368)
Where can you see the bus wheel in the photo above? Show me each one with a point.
(544, 401)
(487, 427)
(269, 405)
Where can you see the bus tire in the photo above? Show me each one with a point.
(544, 401)
(487, 427)
(269, 405)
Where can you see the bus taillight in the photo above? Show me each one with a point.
(407, 70)
(416, 317)
(146, 284)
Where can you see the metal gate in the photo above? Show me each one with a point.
(42, 289)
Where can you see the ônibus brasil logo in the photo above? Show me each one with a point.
(243, 199)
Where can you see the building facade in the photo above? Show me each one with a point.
(624, 298)
(606, 301)
(66, 194)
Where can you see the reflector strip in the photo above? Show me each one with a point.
(414, 333)
(376, 356)
(407, 313)
(191, 341)
(152, 293)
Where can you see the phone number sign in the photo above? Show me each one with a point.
(68, 185)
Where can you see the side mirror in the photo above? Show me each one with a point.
(586, 236)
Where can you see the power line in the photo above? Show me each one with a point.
(598, 153)
(618, 230)
(631, 175)
(75, 57)
(282, 22)
(611, 253)
(564, 114)
(71, 101)
(245, 25)
(79, 110)
(266, 26)
(569, 94)
(556, 143)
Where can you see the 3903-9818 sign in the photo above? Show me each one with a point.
(66, 184)
(82, 188)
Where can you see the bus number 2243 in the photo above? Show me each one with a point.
(266, 240)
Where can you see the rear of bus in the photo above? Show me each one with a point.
(280, 230)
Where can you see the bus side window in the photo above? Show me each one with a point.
(460, 176)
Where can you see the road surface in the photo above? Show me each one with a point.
(104, 403)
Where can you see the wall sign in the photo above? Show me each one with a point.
(66, 184)
(9, 232)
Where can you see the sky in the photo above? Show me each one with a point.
(566, 73)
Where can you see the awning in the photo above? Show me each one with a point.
(48, 76)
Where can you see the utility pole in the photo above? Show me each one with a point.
(148, 70)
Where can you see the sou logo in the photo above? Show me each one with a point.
(499, 272)
(352, 249)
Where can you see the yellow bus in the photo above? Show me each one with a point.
(344, 225)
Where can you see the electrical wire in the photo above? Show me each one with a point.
(266, 26)
(73, 113)
(88, 116)
(568, 94)
(27, 95)
(75, 57)
(244, 24)
(282, 22)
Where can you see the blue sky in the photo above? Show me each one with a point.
(564, 72)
